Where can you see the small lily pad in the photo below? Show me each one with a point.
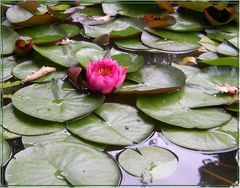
(8, 39)
(152, 79)
(220, 138)
(211, 78)
(149, 163)
(220, 36)
(26, 68)
(60, 136)
(50, 101)
(188, 108)
(8, 63)
(16, 14)
(117, 125)
(64, 55)
(227, 49)
(20, 123)
(167, 45)
(61, 164)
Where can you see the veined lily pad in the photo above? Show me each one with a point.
(5, 151)
(63, 136)
(211, 58)
(20, 123)
(188, 108)
(211, 78)
(8, 63)
(52, 102)
(26, 68)
(131, 10)
(119, 125)
(220, 138)
(8, 39)
(64, 55)
(118, 26)
(132, 61)
(150, 163)
(152, 79)
(167, 45)
(50, 33)
(61, 163)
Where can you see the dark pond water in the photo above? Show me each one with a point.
(194, 167)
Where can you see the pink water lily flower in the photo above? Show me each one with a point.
(105, 75)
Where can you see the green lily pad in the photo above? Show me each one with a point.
(92, 11)
(20, 123)
(167, 45)
(188, 108)
(50, 33)
(209, 44)
(234, 41)
(5, 151)
(132, 61)
(26, 68)
(188, 21)
(211, 58)
(61, 164)
(188, 70)
(8, 63)
(211, 78)
(61, 136)
(16, 14)
(50, 101)
(131, 10)
(119, 27)
(219, 35)
(152, 79)
(8, 39)
(149, 163)
(220, 138)
(118, 124)
(227, 49)
(64, 55)
(9, 135)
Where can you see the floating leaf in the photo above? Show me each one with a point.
(227, 49)
(64, 55)
(20, 123)
(132, 61)
(8, 39)
(5, 151)
(158, 21)
(188, 108)
(26, 68)
(167, 45)
(120, 28)
(131, 10)
(9, 135)
(221, 34)
(234, 41)
(118, 125)
(188, 70)
(220, 138)
(152, 79)
(209, 44)
(61, 163)
(51, 102)
(61, 136)
(8, 63)
(211, 78)
(149, 163)
(92, 11)
(9, 84)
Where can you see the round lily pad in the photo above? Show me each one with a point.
(20, 123)
(26, 68)
(8, 39)
(8, 63)
(132, 61)
(61, 164)
(167, 45)
(5, 151)
(16, 14)
(116, 124)
(64, 55)
(210, 79)
(188, 108)
(62, 135)
(220, 138)
(152, 79)
(149, 163)
(120, 28)
(50, 101)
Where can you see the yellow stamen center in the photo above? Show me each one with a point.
(104, 71)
